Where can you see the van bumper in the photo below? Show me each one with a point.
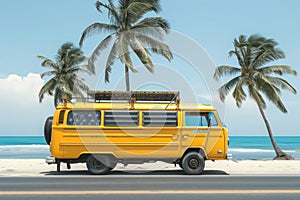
(229, 156)
(50, 160)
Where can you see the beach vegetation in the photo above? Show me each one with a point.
(130, 32)
(257, 78)
(65, 81)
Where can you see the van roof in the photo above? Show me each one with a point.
(136, 106)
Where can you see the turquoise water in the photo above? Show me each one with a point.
(14, 147)
(260, 147)
(242, 147)
(22, 140)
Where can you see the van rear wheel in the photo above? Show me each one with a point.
(193, 163)
(96, 165)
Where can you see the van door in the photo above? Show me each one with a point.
(214, 145)
(202, 130)
(194, 130)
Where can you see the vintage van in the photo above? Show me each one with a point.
(135, 127)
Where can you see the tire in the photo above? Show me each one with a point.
(58, 165)
(48, 130)
(180, 165)
(95, 164)
(193, 163)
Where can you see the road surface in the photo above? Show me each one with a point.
(146, 187)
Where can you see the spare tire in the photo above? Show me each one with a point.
(48, 130)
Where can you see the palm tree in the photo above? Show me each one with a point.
(65, 81)
(128, 30)
(260, 80)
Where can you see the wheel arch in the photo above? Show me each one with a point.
(198, 150)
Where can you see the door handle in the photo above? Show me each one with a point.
(175, 137)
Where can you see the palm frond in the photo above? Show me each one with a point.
(242, 47)
(158, 23)
(114, 14)
(132, 11)
(75, 57)
(95, 29)
(156, 46)
(47, 88)
(46, 62)
(63, 51)
(48, 73)
(66, 86)
(81, 68)
(99, 4)
(277, 69)
(257, 97)
(128, 62)
(77, 92)
(225, 70)
(238, 56)
(103, 45)
(58, 95)
(266, 55)
(265, 51)
(113, 55)
(78, 69)
(124, 54)
(270, 90)
(142, 54)
(283, 84)
(227, 87)
(79, 85)
(238, 93)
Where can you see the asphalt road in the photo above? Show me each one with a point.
(151, 187)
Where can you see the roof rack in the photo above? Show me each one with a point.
(99, 95)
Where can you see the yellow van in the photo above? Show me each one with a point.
(113, 127)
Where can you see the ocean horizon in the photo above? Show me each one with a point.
(241, 147)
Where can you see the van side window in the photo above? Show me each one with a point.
(160, 118)
(61, 116)
(84, 118)
(200, 119)
(212, 119)
(121, 118)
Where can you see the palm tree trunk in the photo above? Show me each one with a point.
(280, 155)
(127, 79)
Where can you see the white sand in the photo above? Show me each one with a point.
(37, 167)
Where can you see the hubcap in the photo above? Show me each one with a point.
(97, 164)
(193, 163)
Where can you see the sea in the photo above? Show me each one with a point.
(241, 147)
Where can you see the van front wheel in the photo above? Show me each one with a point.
(96, 165)
(193, 163)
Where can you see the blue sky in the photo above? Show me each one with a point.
(38, 27)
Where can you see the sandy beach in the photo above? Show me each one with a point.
(38, 167)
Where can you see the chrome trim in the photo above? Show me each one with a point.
(50, 160)
(229, 156)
